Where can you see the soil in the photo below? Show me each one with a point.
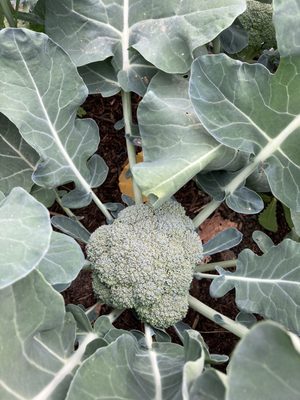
(106, 112)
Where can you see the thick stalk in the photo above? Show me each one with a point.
(212, 266)
(206, 212)
(127, 115)
(225, 322)
(114, 315)
(201, 275)
(8, 11)
(102, 207)
(217, 45)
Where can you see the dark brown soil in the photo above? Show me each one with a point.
(106, 112)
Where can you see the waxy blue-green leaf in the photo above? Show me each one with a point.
(17, 158)
(222, 241)
(164, 33)
(63, 261)
(211, 385)
(268, 285)
(25, 232)
(122, 370)
(100, 77)
(71, 227)
(43, 195)
(265, 365)
(263, 241)
(40, 91)
(248, 108)
(175, 145)
(242, 200)
(36, 341)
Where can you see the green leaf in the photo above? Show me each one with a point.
(268, 285)
(265, 365)
(25, 232)
(37, 341)
(43, 195)
(122, 370)
(296, 221)
(263, 241)
(175, 145)
(63, 261)
(42, 102)
(222, 241)
(243, 200)
(165, 34)
(287, 216)
(211, 385)
(255, 111)
(71, 227)
(17, 158)
(268, 218)
(100, 77)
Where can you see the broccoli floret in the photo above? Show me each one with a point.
(257, 21)
(145, 260)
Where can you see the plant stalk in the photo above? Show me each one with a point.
(154, 364)
(225, 322)
(8, 11)
(66, 210)
(114, 314)
(206, 212)
(127, 115)
(212, 266)
(201, 275)
(217, 45)
(102, 207)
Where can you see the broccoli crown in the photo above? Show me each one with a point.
(257, 21)
(145, 260)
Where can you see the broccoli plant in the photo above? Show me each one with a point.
(230, 126)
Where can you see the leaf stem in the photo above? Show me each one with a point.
(127, 115)
(101, 206)
(8, 12)
(212, 266)
(220, 319)
(114, 314)
(154, 364)
(201, 275)
(67, 210)
(70, 364)
(217, 45)
(207, 210)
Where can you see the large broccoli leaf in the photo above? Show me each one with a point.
(175, 145)
(123, 370)
(246, 107)
(36, 341)
(265, 365)
(40, 91)
(164, 33)
(17, 158)
(25, 233)
(268, 285)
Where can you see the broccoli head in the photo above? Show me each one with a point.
(145, 260)
(257, 21)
